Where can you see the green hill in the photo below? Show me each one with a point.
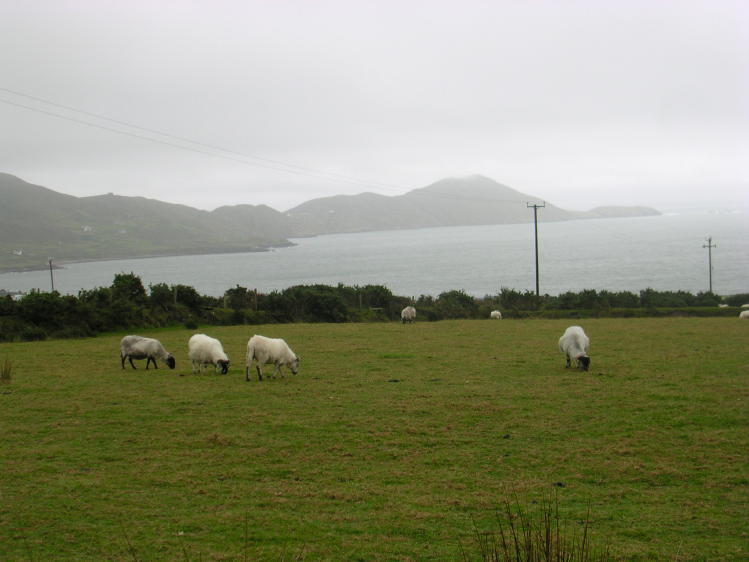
(37, 223)
(473, 200)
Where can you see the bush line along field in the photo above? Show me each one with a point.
(126, 305)
(394, 442)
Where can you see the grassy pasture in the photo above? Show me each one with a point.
(391, 443)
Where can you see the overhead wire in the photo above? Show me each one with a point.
(291, 166)
(214, 150)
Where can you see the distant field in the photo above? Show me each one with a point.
(391, 443)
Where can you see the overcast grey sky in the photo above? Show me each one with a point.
(581, 103)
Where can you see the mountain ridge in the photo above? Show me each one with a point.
(37, 223)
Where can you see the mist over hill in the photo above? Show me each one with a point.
(37, 223)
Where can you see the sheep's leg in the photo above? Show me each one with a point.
(277, 370)
(259, 371)
(567, 366)
(131, 362)
(122, 360)
(148, 362)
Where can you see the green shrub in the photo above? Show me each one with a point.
(73, 332)
(33, 333)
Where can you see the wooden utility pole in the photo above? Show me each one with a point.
(535, 229)
(51, 277)
(710, 247)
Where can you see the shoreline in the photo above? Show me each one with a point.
(4, 269)
(63, 262)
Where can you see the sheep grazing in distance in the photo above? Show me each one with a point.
(138, 347)
(495, 314)
(408, 314)
(270, 350)
(744, 315)
(574, 344)
(204, 350)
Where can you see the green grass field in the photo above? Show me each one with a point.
(393, 443)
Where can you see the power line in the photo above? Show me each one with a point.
(216, 151)
(310, 173)
(298, 167)
(264, 162)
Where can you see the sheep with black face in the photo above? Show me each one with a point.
(205, 350)
(138, 347)
(575, 344)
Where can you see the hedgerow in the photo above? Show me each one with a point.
(127, 305)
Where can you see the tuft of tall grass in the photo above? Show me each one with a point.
(6, 372)
(522, 537)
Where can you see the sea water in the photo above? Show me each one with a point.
(663, 252)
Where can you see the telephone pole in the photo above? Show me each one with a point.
(51, 277)
(535, 229)
(710, 247)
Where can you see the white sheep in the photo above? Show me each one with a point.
(495, 314)
(408, 314)
(204, 350)
(574, 344)
(138, 347)
(270, 350)
(744, 315)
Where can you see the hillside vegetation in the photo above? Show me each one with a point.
(394, 442)
(41, 223)
(127, 305)
(37, 223)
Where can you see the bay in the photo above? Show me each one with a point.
(663, 252)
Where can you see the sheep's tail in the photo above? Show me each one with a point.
(248, 361)
(250, 354)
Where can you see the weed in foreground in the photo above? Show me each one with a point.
(6, 372)
(521, 537)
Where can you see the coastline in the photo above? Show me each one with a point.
(60, 264)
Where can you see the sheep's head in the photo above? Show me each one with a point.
(583, 362)
(294, 366)
(171, 363)
(224, 365)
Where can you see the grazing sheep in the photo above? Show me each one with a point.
(745, 305)
(744, 315)
(722, 306)
(574, 344)
(138, 347)
(204, 350)
(270, 350)
(495, 314)
(408, 314)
